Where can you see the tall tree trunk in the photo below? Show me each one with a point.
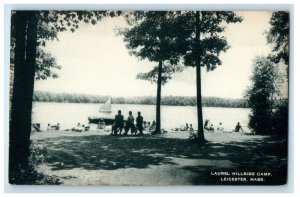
(198, 76)
(21, 109)
(158, 98)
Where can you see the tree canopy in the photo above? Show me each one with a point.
(210, 42)
(261, 95)
(278, 35)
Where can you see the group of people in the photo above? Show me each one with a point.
(140, 125)
(80, 128)
(53, 127)
(210, 127)
(186, 127)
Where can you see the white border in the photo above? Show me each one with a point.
(213, 5)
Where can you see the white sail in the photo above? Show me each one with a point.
(106, 107)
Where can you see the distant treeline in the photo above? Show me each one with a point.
(40, 96)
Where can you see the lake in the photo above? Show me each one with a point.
(69, 114)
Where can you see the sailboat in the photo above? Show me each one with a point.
(106, 107)
(105, 114)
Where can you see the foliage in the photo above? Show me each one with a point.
(266, 82)
(167, 71)
(279, 36)
(46, 65)
(280, 119)
(40, 96)
(211, 43)
(30, 175)
(154, 35)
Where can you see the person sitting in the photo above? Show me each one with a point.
(191, 128)
(118, 124)
(186, 128)
(206, 124)
(87, 128)
(238, 127)
(57, 127)
(153, 126)
(145, 125)
(212, 128)
(130, 124)
(220, 127)
(192, 134)
(101, 124)
(48, 127)
(77, 128)
(181, 128)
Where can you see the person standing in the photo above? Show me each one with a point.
(129, 123)
(139, 123)
(118, 124)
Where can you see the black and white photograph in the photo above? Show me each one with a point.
(149, 98)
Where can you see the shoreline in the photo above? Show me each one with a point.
(91, 103)
(211, 136)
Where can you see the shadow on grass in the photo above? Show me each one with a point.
(111, 153)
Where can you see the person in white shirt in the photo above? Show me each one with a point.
(220, 127)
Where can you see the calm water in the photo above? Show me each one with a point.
(69, 114)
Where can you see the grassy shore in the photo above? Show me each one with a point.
(96, 158)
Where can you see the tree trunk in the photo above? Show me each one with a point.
(198, 76)
(21, 109)
(158, 98)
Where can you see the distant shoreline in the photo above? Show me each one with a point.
(50, 97)
(137, 104)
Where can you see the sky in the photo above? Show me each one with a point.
(95, 61)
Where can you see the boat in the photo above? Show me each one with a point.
(96, 120)
(106, 107)
(106, 114)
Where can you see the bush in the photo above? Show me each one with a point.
(30, 175)
(280, 119)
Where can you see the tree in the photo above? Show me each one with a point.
(155, 35)
(24, 70)
(204, 47)
(261, 95)
(279, 36)
(27, 39)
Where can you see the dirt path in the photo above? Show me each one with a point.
(95, 158)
